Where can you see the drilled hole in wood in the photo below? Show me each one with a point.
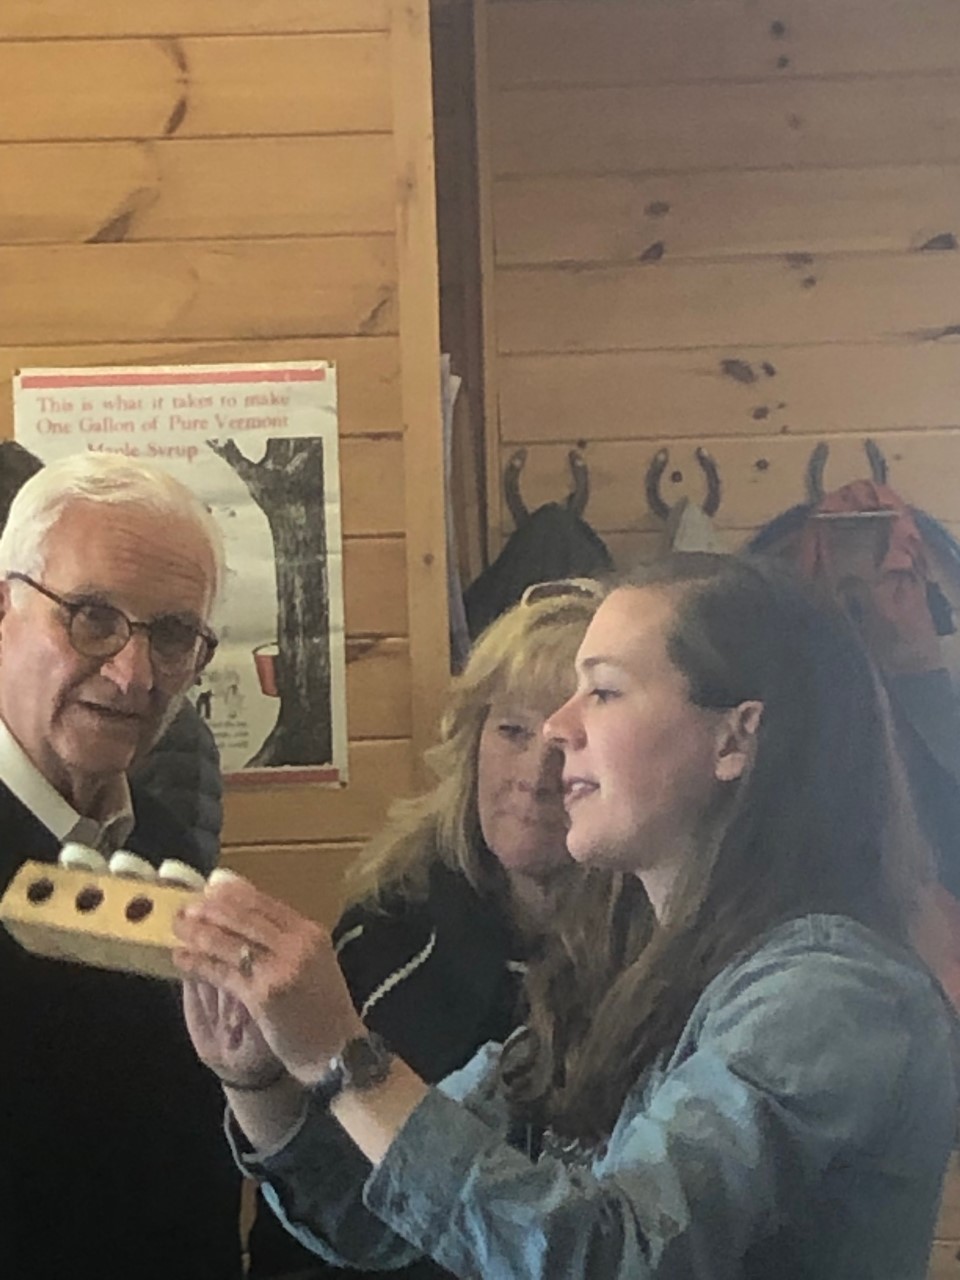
(40, 890)
(138, 909)
(89, 899)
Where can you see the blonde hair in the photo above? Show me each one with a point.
(527, 655)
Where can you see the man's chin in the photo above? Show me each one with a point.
(103, 759)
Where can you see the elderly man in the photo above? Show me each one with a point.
(112, 1164)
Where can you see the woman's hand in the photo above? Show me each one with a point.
(274, 963)
(226, 1038)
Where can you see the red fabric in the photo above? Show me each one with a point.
(900, 635)
(897, 586)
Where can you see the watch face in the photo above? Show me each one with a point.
(366, 1061)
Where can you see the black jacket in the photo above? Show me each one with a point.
(112, 1159)
(553, 542)
(182, 771)
(437, 979)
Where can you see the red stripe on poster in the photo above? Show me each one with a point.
(48, 380)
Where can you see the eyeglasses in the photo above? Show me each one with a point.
(99, 630)
(558, 588)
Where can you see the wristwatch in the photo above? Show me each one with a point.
(362, 1063)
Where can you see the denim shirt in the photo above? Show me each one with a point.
(801, 1128)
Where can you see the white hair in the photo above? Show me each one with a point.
(98, 477)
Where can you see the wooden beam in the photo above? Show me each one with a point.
(674, 128)
(194, 87)
(800, 299)
(419, 305)
(57, 19)
(282, 813)
(198, 290)
(597, 42)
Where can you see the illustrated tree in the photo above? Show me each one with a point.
(287, 485)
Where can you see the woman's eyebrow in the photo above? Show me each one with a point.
(589, 664)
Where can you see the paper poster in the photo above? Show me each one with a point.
(258, 444)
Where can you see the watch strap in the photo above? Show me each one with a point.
(362, 1063)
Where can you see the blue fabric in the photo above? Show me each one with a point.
(801, 1128)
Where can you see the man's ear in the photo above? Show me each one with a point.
(737, 741)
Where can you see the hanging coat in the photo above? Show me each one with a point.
(551, 543)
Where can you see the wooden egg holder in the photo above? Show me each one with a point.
(40, 909)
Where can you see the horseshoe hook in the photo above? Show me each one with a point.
(658, 465)
(579, 495)
(576, 501)
(511, 488)
(879, 470)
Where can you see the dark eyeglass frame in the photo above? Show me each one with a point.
(208, 641)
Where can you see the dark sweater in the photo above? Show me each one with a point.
(182, 771)
(448, 982)
(112, 1160)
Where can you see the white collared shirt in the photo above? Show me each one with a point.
(107, 832)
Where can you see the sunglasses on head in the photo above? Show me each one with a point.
(560, 588)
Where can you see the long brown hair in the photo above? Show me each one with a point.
(820, 823)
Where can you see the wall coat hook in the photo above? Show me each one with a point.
(576, 501)
(879, 471)
(689, 526)
(708, 465)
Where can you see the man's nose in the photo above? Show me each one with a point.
(132, 667)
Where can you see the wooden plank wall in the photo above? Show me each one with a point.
(185, 182)
(729, 223)
(722, 222)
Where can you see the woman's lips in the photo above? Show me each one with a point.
(577, 789)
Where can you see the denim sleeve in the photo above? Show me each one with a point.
(315, 1183)
(315, 1187)
(795, 1062)
(800, 1062)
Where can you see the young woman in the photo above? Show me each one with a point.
(768, 1088)
(451, 900)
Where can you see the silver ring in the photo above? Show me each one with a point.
(245, 963)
